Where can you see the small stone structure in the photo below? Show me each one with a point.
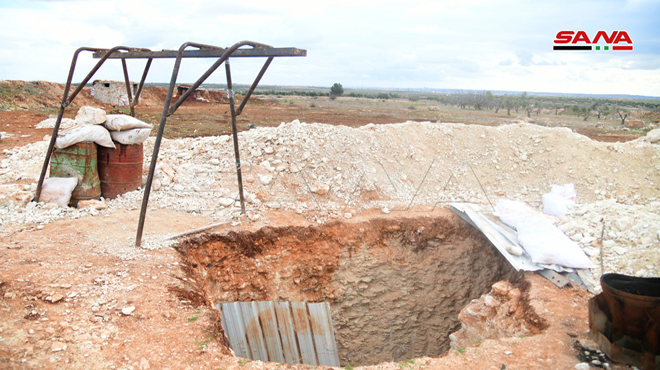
(112, 92)
(182, 89)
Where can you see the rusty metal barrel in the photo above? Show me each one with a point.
(78, 160)
(625, 320)
(120, 169)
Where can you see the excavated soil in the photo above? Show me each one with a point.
(395, 285)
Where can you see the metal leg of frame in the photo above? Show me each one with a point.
(128, 86)
(230, 95)
(136, 98)
(154, 156)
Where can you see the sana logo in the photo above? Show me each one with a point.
(571, 40)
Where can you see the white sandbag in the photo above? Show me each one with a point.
(121, 122)
(90, 116)
(559, 200)
(130, 137)
(543, 241)
(58, 190)
(513, 212)
(50, 123)
(84, 134)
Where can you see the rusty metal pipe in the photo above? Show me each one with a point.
(212, 69)
(136, 98)
(159, 137)
(96, 68)
(234, 131)
(254, 86)
(128, 86)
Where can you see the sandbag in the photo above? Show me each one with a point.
(84, 134)
(120, 122)
(131, 137)
(559, 200)
(58, 190)
(90, 116)
(542, 240)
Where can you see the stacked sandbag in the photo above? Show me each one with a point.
(87, 129)
(127, 130)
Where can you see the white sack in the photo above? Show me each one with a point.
(130, 137)
(121, 122)
(58, 190)
(84, 134)
(559, 200)
(90, 116)
(544, 242)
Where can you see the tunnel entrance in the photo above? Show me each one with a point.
(395, 285)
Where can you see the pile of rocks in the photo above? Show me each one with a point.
(326, 172)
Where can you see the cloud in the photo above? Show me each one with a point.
(502, 45)
(506, 62)
(525, 58)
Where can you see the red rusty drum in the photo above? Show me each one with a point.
(120, 169)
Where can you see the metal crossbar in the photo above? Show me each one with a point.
(200, 51)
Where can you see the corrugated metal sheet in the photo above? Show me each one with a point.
(286, 332)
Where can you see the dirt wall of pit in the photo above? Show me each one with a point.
(395, 285)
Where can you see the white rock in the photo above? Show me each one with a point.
(126, 311)
(641, 273)
(273, 205)
(57, 346)
(653, 136)
(319, 187)
(591, 251)
(594, 217)
(225, 202)
(623, 223)
(581, 366)
(514, 250)
(265, 179)
(619, 250)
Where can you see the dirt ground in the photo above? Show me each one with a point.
(76, 294)
(56, 293)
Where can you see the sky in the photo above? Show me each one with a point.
(469, 44)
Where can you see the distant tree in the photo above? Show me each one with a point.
(508, 104)
(336, 89)
(490, 100)
(622, 112)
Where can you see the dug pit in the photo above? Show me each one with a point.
(395, 284)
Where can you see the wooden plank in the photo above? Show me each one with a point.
(271, 334)
(303, 333)
(323, 334)
(287, 333)
(232, 322)
(253, 331)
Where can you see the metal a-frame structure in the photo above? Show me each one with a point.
(199, 51)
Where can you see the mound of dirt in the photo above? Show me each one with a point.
(24, 95)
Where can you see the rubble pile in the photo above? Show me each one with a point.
(326, 172)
